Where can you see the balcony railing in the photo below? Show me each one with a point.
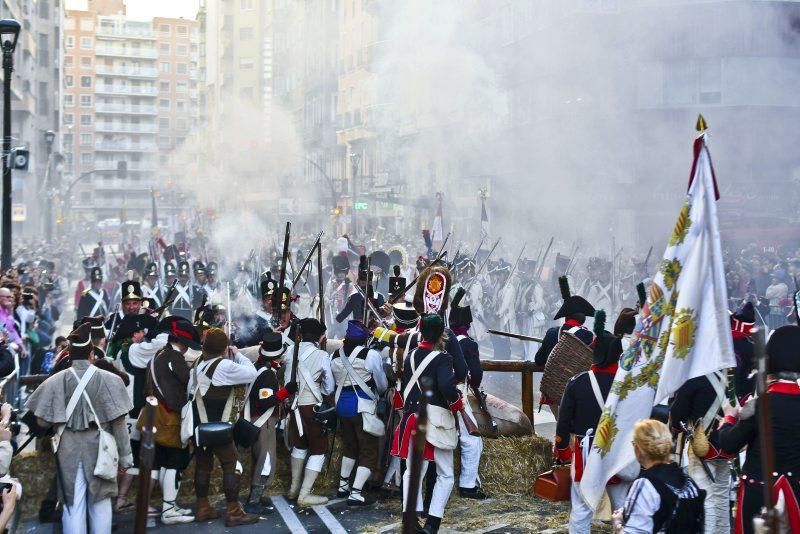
(126, 89)
(102, 166)
(104, 107)
(134, 72)
(118, 51)
(132, 128)
(124, 31)
(124, 146)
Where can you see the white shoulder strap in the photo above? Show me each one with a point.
(459, 338)
(718, 382)
(418, 371)
(304, 374)
(82, 383)
(84, 395)
(596, 388)
(348, 366)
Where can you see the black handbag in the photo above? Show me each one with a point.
(213, 435)
(245, 433)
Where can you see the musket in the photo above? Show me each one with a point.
(444, 244)
(647, 258)
(483, 264)
(296, 354)
(765, 431)
(320, 287)
(513, 269)
(477, 249)
(171, 293)
(228, 325)
(418, 439)
(368, 303)
(276, 298)
(540, 263)
(306, 261)
(147, 452)
(113, 328)
(366, 292)
(521, 337)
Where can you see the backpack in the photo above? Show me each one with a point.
(681, 510)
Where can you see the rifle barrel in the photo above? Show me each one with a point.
(512, 335)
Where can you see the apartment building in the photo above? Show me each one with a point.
(128, 103)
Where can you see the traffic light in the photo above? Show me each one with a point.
(336, 211)
(18, 158)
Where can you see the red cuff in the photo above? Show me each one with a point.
(457, 406)
(564, 455)
(727, 420)
(283, 394)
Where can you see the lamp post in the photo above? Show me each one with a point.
(49, 138)
(355, 161)
(9, 32)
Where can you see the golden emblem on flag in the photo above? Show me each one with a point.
(683, 332)
(671, 269)
(682, 226)
(606, 432)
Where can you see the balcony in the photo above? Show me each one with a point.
(125, 128)
(124, 146)
(124, 31)
(119, 183)
(118, 51)
(132, 166)
(131, 72)
(133, 109)
(148, 90)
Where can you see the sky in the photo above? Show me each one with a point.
(146, 9)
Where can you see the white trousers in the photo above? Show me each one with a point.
(471, 450)
(717, 503)
(580, 514)
(444, 482)
(73, 518)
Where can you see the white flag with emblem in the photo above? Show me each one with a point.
(683, 331)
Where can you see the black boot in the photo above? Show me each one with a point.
(255, 504)
(472, 493)
(431, 525)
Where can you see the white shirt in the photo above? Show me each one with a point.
(318, 364)
(140, 354)
(229, 372)
(373, 363)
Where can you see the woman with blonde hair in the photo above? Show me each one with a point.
(664, 498)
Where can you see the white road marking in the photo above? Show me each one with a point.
(330, 521)
(288, 515)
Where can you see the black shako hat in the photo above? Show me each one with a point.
(783, 350)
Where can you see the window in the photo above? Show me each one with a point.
(163, 87)
(86, 120)
(68, 118)
(86, 158)
(163, 48)
(182, 30)
(86, 139)
(87, 24)
(181, 50)
(163, 142)
(68, 80)
(86, 101)
(164, 66)
(67, 61)
(180, 105)
(246, 4)
(86, 43)
(164, 103)
(69, 41)
(86, 81)
(181, 87)
(245, 33)
(164, 28)
(163, 123)
(246, 63)
(67, 140)
(69, 101)
(180, 68)
(86, 62)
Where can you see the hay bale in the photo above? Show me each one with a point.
(509, 465)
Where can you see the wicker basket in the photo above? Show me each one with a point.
(569, 357)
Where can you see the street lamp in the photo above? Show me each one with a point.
(9, 32)
(355, 161)
(49, 139)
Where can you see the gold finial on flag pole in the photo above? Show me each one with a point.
(701, 123)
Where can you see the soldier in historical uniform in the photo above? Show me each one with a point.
(152, 290)
(87, 498)
(337, 293)
(265, 396)
(360, 379)
(170, 275)
(189, 296)
(307, 437)
(742, 323)
(212, 283)
(739, 429)
(574, 311)
(94, 300)
(355, 303)
(131, 303)
(261, 322)
(579, 412)
(531, 306)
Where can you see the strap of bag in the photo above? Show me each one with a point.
(82, 382)
(596, 388)
(418, 371)
(718, 383)
(152, 365)
(247, 393)
(86, 397)
(351, 373)
(307, 380)
(201, 405)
